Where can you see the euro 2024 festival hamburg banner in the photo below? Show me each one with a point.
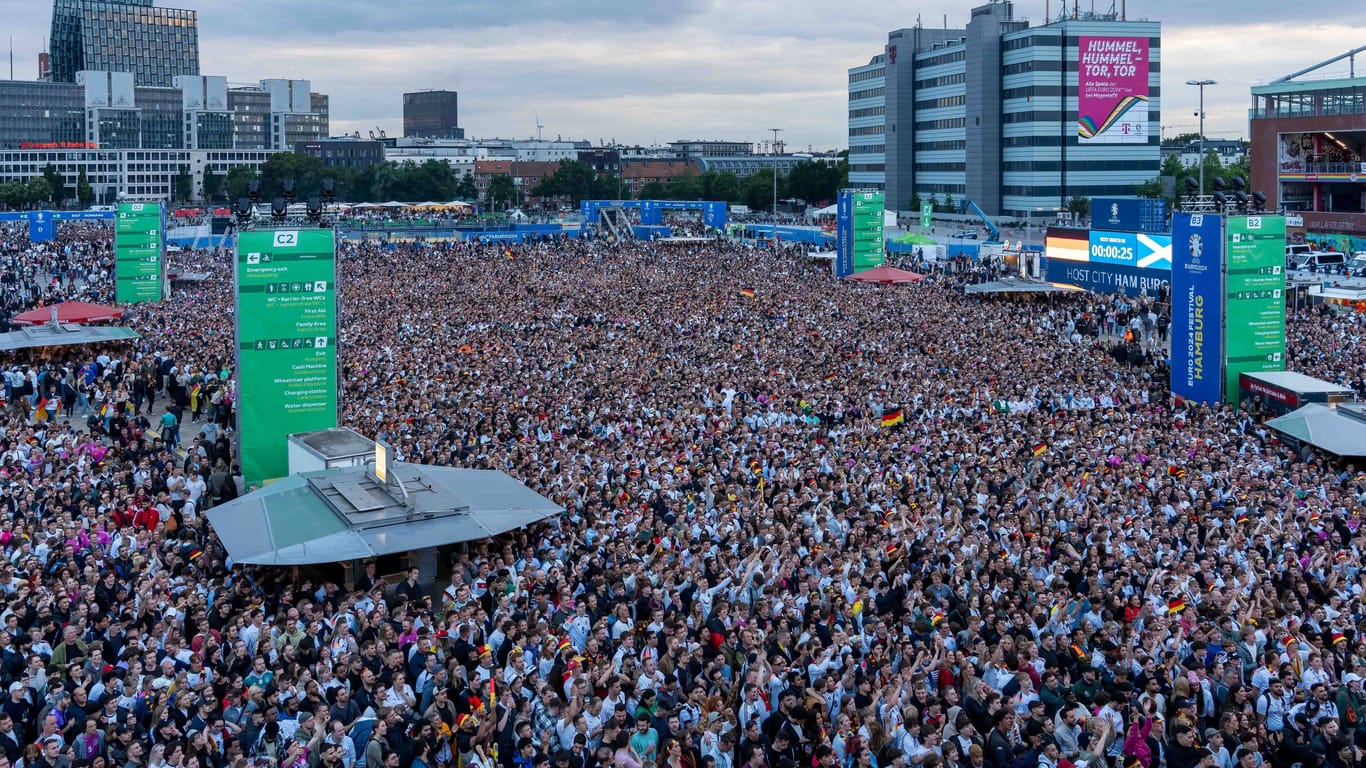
(1197, 306)
(1112, 90)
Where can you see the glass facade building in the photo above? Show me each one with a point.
(161, 117)
(989, 113)
(250, 110)
(63, 115)
(431, 115)
(155, 44)
(33, 112)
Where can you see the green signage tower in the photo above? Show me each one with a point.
(286, 343)
(870, 246)
(139, 245)
(1254, 298)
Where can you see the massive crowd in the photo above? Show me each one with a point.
(820, 525)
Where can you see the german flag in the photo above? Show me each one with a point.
(1243, 518)
(1040, 449)
(508, 253)
(892, 418)
(938, 617)
(1175, 471)
(747, 292)
(831, 376)
(1176, 606)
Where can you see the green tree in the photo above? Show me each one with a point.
(1181, 139)
(500, 193)
(814, 181)
(13, 194)
(915, 202)
(682, 188)
(55, 183)
(757, 190)
(609, 186)
(1079, 206)
(38, 190)
(465, 189)
(306, 171)
(1152, 188)
(84, 194)
(726, 186)
(184, 184)
(654, 190)
(235, 185)
(573, 180)
(210, 183)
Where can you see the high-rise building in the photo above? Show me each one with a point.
(432, 115)
(133, 140)
(991, 112)
(154, 44)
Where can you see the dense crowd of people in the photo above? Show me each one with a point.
(808, 524)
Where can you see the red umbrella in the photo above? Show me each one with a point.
(78, 312)
(886, 275)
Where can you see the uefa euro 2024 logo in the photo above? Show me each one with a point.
(1197, 248)
(1114, 211)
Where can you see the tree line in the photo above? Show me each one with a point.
(572, 181)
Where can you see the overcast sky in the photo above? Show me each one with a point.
(650, 71)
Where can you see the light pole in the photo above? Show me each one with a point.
(1201, 85)
(776, 131)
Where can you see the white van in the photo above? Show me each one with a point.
(1322, 261)
(1294, 250)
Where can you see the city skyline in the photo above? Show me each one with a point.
(600, 71)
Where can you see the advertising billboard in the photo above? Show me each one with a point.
(844, 233)
(139, 246)
(1067, 244)
(1112, 90)
(1106, 278)
(42, 227)
(926, 215)
(1120, 214)
(869, 242)
(286, 343)
(1254, 298)
(1130, 249)
(1197, 307)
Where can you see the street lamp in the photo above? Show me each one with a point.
(776, 131)
(1201, 85)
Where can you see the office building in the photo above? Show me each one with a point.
(432, 115)
(153, 44)
(133, 140)
(131, 174)
(638, 173)
(343, 152)
(745, 165)
(692, 149)
(107, 110)
(1308, 152)
(990, 112)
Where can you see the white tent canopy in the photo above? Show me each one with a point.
(827, 211)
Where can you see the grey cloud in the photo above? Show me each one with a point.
(318, 19)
